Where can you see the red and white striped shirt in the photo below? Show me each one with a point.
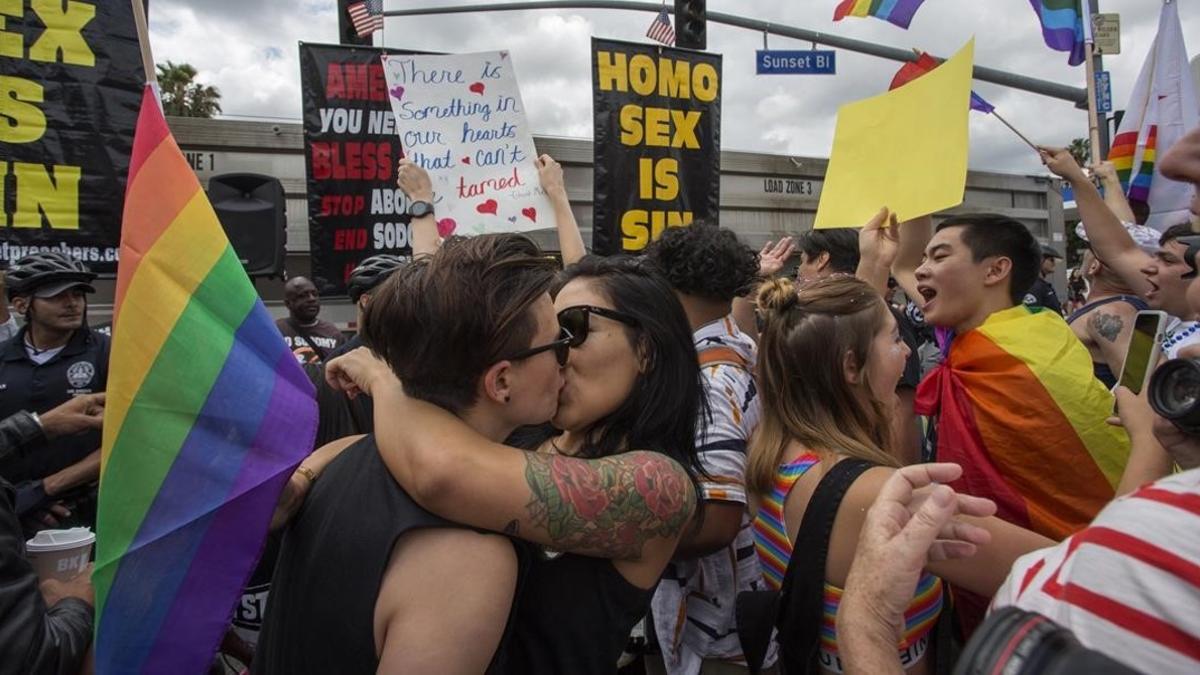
(1128, 585)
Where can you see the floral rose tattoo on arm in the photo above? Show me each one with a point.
(608, 507)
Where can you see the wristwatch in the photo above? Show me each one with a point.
(420, 209)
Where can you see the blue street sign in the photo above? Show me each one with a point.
(787, 62)
(1103, 92)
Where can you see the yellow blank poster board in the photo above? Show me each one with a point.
(906, 149)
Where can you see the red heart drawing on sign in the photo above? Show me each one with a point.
(446, 227)
(476, 88)
(530, 213)
(465, 160)
(488, 207)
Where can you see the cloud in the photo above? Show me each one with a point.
(248, 50)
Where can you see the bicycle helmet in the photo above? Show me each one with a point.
(46, 275)
(372, 272)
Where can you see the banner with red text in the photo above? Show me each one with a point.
(657, 142)
(461, 118)
(351, 148)
(70, 86)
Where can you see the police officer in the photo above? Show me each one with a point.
(53, 358)
(1042, 293)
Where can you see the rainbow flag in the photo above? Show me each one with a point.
(1124, 150)
(925, 63)
(207, 414)
(1162, 108)
(1062, 27)
(1019, 408)
(897, 12)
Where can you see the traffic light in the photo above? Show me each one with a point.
(690, 24)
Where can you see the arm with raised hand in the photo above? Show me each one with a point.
(914, 236)
(878, 244)
(1106, 235)
(1114, 192)
(570, 241)
(771, 259)
(415, 183)
(630, 507)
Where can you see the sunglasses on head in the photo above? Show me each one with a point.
(576, 320)
(561, 347)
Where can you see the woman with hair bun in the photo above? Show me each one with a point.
(830, 356)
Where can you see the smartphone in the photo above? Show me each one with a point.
(1145, 346)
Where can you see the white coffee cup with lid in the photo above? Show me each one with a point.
(60, 554)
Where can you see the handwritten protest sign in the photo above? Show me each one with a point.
(906, 149)
(460, 117)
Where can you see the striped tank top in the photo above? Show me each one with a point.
(775, 550)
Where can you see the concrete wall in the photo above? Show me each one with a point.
(763, 197)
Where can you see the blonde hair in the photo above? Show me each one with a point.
(805, 396)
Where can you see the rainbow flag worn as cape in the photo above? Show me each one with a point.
(897, 12)
(1019, 408)
(207, 414)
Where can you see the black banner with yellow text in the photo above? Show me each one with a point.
(657, 142)
(351, 148)
(70, 86)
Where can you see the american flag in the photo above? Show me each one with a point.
(367, 16)
(661, 30)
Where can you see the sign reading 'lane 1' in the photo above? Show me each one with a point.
(788, 62)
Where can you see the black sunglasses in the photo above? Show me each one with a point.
(1193, 247)
(561, 347)
(576, 320)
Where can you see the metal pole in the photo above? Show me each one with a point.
(1097, 63)
(1043, 87)
(1089, 44)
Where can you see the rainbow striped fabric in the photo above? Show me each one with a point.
(207, 414)
(1019, 408)
(774, 550)
(1062, 27)
(897, 12)
(1124, 150)
(919, 618)
(770, 535)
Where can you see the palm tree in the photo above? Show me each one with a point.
(182, 95)
(1081, 150)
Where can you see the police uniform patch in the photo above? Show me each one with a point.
(80, 374)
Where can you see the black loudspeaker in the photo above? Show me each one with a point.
(253, 211)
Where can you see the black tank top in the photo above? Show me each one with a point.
(573, 613)
(321, 608)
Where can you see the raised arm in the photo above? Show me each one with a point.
(570, 241)
(878, 243)
(1114, 193)
(415, 183)
(914, 237)
(631, 506)
(771, 259)
(1107, 236)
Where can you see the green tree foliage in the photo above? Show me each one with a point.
(182, 96)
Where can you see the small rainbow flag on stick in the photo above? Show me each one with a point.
(897, 12)
(208, 413)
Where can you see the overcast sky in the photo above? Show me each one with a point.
(248, 50)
